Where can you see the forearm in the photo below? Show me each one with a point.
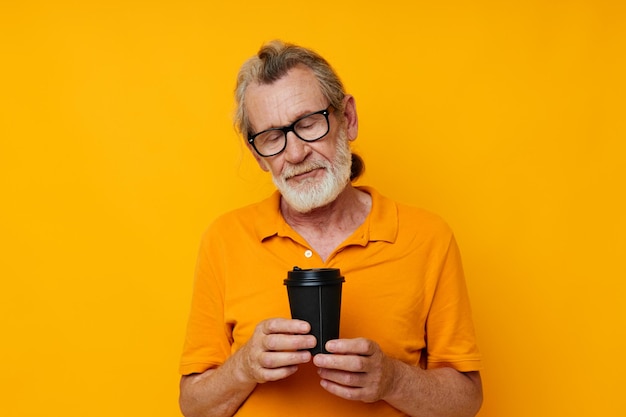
(273, 353)
(434, 393)
(217, 392)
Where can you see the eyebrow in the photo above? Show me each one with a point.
(299, 115)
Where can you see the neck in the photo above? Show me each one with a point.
(347, 211)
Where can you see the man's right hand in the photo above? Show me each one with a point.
(275, 350)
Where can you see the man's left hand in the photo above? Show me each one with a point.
(356, 369)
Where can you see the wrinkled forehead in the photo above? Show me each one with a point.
(281, 102)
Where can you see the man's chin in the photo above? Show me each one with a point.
(302, 185)
(307, 194)
(294, 198)
(303, 208)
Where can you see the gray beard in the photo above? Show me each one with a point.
(316, 193)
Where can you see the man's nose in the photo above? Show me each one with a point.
(296, 150)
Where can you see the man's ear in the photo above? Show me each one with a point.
(351, 118)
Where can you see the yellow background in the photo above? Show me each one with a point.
(117, 150)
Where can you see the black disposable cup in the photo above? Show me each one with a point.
(315, 297)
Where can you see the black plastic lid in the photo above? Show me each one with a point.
(313, 276)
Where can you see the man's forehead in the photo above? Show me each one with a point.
(296, 93)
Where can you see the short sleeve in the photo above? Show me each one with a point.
(451, 340)
(208, 339)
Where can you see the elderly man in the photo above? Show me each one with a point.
(407, 343)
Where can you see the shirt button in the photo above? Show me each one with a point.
(308, 253)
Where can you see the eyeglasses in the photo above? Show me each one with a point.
(309, 128)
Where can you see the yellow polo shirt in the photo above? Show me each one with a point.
(404, 289)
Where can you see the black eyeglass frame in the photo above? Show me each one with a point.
(291, 128)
